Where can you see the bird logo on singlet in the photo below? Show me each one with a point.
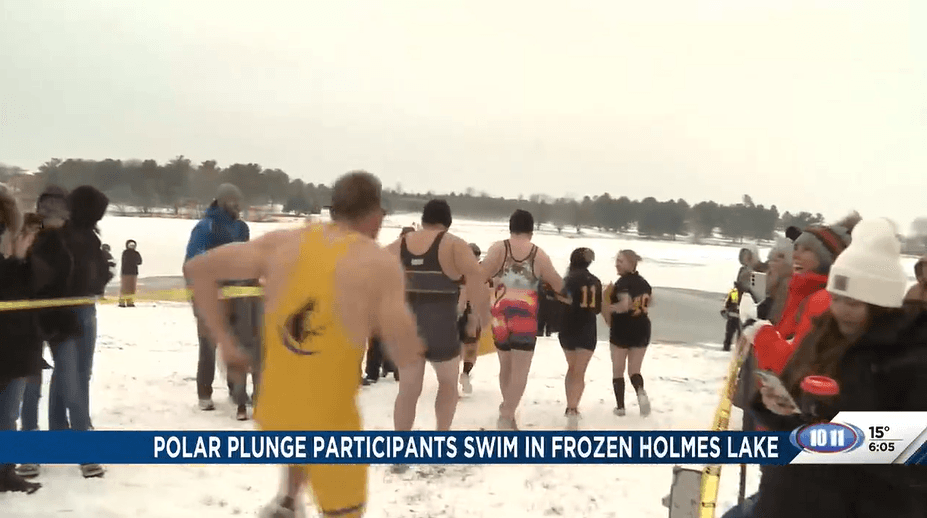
(298, 329)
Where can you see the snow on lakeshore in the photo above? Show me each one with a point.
(144, 379)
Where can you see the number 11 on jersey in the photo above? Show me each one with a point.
(588, 299)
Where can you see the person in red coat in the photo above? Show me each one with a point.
(816, 249)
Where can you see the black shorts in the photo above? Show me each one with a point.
(513, 345)
(630, 333)
(583, 338)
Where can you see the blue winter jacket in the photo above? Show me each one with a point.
(216, 229)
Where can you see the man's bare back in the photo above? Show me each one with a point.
(457, 261)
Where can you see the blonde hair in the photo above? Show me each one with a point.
(632, 257)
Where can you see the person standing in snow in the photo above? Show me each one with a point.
(221, 226)
(131, 260)
(72, 253)
(436, 263)
(52, 212)
(731, 312)
(21, 346)
(517, 270)
(627, 315)
(578, 335)
(918, 292)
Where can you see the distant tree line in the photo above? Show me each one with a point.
(146, 184)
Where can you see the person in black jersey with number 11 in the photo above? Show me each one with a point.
(582, 293)
(629, 328)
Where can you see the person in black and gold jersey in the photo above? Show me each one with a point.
(629, 323)
(328, 287)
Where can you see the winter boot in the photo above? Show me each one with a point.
(10, 481)
(28, 470)
(92, 470)
(637, 381)
(618, 386)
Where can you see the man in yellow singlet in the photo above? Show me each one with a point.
(328, 286)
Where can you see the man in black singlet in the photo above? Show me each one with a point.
(435, 262)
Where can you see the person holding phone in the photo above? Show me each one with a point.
(874, 345)
(626, 314)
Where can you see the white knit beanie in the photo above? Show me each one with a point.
(870, 269)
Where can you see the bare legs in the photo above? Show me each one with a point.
(575, 380)
(411, 379)
(514, 366)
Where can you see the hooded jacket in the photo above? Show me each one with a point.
(131, 260)
(885, 370)
(216, 229)
(70, 262)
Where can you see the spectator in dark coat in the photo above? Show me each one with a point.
(52, 213)
(131, 260)
(20, 346)
(73, 254)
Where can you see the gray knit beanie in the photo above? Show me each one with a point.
(828, 242)
(226, 191)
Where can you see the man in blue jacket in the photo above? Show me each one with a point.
(221, 226)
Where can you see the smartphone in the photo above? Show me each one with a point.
(758, 285)
(782, 395)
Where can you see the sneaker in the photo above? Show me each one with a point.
(643, 402)
(465, 385)
(276, 509)
(242, 414)
(620, 412)
(206, 404)
(368, 381)
(92, 470)
(572, 416)
(28, 470)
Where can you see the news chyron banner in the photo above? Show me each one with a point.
(858, 438)
(864, 438)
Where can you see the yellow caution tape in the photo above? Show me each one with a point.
(175, 295)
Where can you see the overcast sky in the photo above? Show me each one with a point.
(818, 105)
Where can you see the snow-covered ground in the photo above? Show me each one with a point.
(144, 378)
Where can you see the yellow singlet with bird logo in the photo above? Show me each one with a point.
(311, 370)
